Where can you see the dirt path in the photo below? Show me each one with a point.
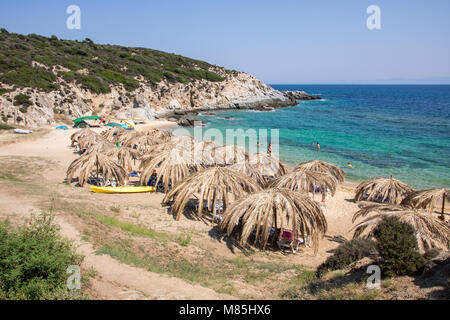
(114, 280)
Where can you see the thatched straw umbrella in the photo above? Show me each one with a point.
(305, 181)
(249, 170)
(113, 133)
(428, 198)
(383, 190)
(171, 166)
(430, 231)
(126, 157)
(268, 164)
(212, 185)
(96, 164)
(99, 145)
(184, 142)
(322, 167)
(88, 141)
(83, 133)
(275, 208)
(230, 154)
(157, 134)
(141, 142)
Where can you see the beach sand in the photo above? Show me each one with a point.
(51, 151)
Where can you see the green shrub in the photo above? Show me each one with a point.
(95, 84)
(4, 126)
(22, 100)
(431, 253)
(27, 76)
(397, 247)
(17, 51)
(34, 260)
(347, 253)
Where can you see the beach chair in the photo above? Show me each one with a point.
(219, 206)
(286, 240)
(306, 241)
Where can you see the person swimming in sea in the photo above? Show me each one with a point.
(349, 164)
(318, 146)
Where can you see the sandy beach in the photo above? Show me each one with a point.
(41, 164)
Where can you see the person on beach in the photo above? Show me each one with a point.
(269, 149)
(318, 147)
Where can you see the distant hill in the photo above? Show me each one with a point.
(103, 64)
(48, 80)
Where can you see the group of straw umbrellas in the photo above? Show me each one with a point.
(254, 193)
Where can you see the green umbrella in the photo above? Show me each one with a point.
(86, 118)
(113, 124)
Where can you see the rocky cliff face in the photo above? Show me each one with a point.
(238, 90)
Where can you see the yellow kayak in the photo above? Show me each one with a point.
(121, 189)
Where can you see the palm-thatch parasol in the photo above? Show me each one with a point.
(268, 164)
(383, 190)
(157, 134)
(126, 157)
(98, 163)
(184, 142)
(171, 166)
(249, 170)
(75, 137)
(428, 198)
(212, 185)
(275, 208)
(322, 167)
(98, 145)
(230, 154)
(141, 142)
(305, 181)
(113, 133)
(430, 231)
(88, 141)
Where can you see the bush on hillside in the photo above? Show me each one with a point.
(110, 64)
(347, 253)
(22, 100)
(34, 259)
(397, 247)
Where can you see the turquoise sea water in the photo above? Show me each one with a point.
(380, 129)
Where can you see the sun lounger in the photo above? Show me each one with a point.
(100, 183)
(287, 240)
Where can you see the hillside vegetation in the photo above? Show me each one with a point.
(92, 65)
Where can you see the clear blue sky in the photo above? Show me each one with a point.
(301, 41)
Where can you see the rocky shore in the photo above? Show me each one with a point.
(187, 118)
(30, 107)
